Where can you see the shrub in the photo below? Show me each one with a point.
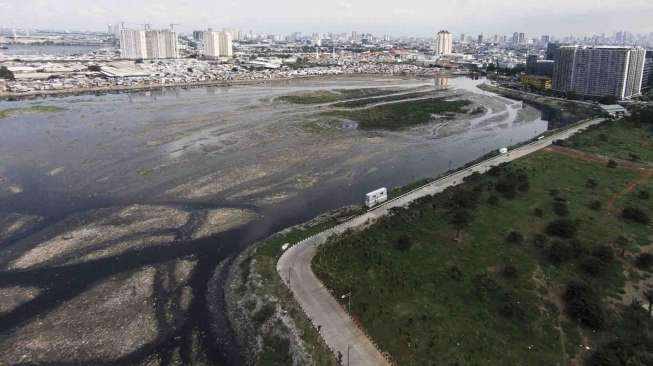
(562, 228)
(455, 273)
(644, 261)
(612, 164)
(554, 192)
(539, 240)
(538, 212)
(643, 195)
(584, 305)
(596, 205)
(559, 252)
(594, 266)
(635, 214)
(404, 243)
(510, 307)
(591, 183)
(515, 237)
(493, 200)
(509, 271)
(507, 189)
(560, 208)
(604, 253)
(633, 157)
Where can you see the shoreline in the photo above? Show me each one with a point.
(11, 96)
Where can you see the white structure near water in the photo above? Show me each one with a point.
(375, 197)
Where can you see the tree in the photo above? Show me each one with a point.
(460, 219)
(612, 164)
(7, 74)
(515, 237)
(644, 261)
(591, 183)
(636, 215)
(404, 243)
(623, 243)
(584, 305)
(562, 228)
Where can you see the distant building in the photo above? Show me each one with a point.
(647, 77)
(537, 82)
(217, 44)
(148, 44)
(599, 71)
(518, 38)
(161, 44)
(132, 44)
(462, 37)
(444, 42)
(480, 38)
(552, 50)
(535, 66)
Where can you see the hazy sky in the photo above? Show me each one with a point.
(397, 17)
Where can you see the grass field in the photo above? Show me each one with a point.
(492, 294)
(617, 139)
(33, 109)
(400, 115)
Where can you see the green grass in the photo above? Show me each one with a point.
(617, 139)
(4, 113)
(400, 115)
(440, 302)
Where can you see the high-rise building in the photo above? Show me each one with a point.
(462, 37)
(444, 43)
(552, 50)
(217, 44)
(132, 44)
(535, 66)
(647, 77)
(161, 44)
(480, 38)
(146, 44)
(545, 39)
(599, 71)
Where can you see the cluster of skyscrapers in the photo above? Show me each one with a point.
(214, 44)
(148, 44)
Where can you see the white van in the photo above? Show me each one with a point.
(375, 197)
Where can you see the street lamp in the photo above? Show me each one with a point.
(348, 297)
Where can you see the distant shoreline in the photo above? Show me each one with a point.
(218, 83)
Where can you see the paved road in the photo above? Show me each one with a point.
(337, 329)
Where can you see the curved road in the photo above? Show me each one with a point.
(339, 332)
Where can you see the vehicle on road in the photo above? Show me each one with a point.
(375, 197)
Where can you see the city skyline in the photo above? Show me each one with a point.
(415, 18)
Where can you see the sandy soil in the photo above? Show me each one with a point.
(112, 319)
(109, 232)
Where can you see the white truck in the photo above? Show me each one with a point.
(503, 150)
(375, 197)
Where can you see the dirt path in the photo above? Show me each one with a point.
(643, 177)
(645, 170)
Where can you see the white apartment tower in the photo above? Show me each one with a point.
(148, 44)
(217, 44)
(444, 44)
(132, 44)
(599, 71)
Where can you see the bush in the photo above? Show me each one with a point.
(596, 205)
(633, 157)
(584, 305)
(618, 352)
(5, 73)
(591, 183)
(539, 240)
(559, 252)
(507, 189)
(604, 253)
(560, 208)
(515, 237)
(636, 215)
(562, 228)
(493, 200)
(644, 261)
(644, 195)
(509, 271)
(538, 212)
(594, 266)
(612, 164)
(404, 243)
